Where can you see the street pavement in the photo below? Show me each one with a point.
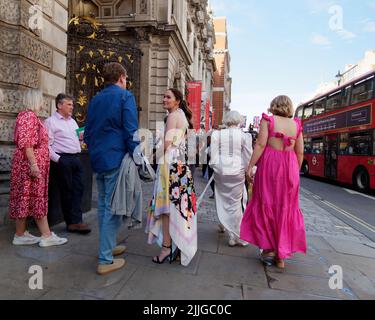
(217, 272)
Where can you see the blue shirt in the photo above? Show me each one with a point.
(111, 128)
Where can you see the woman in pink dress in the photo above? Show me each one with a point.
(273, 220)
(29, 175)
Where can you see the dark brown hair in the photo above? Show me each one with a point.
(61, 97)
(183, 106)
(112, 72)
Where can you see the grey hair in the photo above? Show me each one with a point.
(32, 99)
(232, 118)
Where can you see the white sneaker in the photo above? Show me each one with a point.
(52, 240)
(26, 239)
(232, 242)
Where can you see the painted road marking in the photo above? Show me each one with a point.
(350, 216)
(342, 211)
(361, 194)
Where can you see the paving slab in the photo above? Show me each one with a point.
(232, 270)
(318, 243)
(13, 267)
(146, 261)
(208, 237)
(298, 268)
(358, 273)
(61, 294)
(311, 257)
(307, 285)
(252, 293)
(352, 248)
(13, 291)
(136, 242)
(245, 252)
(44, 255)
(152, 284)
(78, 273)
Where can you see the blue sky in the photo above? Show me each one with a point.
(291, 46)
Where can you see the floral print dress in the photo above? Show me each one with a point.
(174, 195)
(29, 196)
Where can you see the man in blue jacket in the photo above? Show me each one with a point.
(110, 133)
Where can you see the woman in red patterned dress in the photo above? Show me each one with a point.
(29, 176)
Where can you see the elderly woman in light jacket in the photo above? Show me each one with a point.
(231, 150)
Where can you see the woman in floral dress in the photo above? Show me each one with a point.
(172, 221)
(29, 175)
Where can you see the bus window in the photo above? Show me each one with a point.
(344, 144)
(308, 111)
(334, 101)
(299, 112)
(317, 146)
(363, 91)
(307, 145)
(373, 145)
(360, 143)
(319, 106)
(346, 96)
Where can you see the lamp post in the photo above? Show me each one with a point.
(339, 76)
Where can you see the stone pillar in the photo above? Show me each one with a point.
(159, 79)
(33, 46)
(144, 99)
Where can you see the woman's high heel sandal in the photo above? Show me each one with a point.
(280, 264)
(170, 256)
(268, 259)
(176, 255)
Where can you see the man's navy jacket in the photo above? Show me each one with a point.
(111, 128)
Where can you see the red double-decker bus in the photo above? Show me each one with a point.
(339, 134)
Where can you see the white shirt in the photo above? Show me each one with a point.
(62, 136)
(231, 150)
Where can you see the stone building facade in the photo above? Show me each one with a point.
(176, 39)
(175, 36)
(222, 79)
(32, 55)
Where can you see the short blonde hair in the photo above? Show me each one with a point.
(232, 118)
(282, 106)
(32, 99)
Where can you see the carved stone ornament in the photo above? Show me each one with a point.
(10, 11)
(143, 6)
(181, 65)
(17, 71)
(12, 102)
(9, 41)
(142, 34)
(6, 153)
(6, 129)
(36, 51)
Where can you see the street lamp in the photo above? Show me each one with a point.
(339, 76)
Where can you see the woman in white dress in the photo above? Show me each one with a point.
(231, 150)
